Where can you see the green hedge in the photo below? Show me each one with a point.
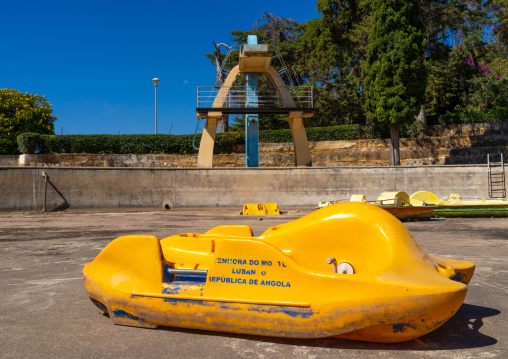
(182, 144)
(122, 144)
(332, 133)
(30, 142)
(499, 114)
(136, 144)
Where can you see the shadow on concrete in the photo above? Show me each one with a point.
(462, 331)
(64, 205)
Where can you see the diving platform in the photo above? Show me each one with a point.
(252, 99)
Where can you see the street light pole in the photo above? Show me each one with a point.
(156, 83)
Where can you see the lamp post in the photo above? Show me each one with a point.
(156, 83)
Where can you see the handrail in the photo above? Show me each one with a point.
(273, 49)
(224, 63)
(236, 96)
(186, 271)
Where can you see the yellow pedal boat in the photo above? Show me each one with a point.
(457, 206)
(350, 270)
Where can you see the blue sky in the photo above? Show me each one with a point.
(94, 60)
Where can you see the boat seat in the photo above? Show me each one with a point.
(188, 250)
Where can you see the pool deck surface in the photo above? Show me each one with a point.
(45, 311)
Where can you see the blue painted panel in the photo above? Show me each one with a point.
(124, 315)
(252, 141)
(291, 311)
(402, 327)
(459, 277)
(252, 90)
(252, 123)
(252, 39)
(189, 278)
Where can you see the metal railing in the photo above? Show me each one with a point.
(226, 64)
(284, 71)
(241, 97)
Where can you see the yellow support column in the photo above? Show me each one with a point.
(300, 141)
(205, 156)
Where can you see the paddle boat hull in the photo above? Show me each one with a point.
(409, 213)
(285, 283)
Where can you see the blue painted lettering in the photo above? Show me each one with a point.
(273, 283)
(242, 271)
(230, 261)
(239, 261)
(227, 280)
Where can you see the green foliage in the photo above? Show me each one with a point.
(466, 56)
(395, 75)
(412, 130)
(120, 144)
(485, 116)
(499, 20)
(329, 55)
(331, 133)
(31, 143)
(226, 142)
(181, 144)
(21, 113)
(465, 53)
(123, 144)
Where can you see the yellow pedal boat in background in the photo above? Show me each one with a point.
(350, 270)
(397, 203)
(457, 206)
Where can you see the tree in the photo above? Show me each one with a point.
(330, 51)
(395, 75)
(465, 52)
(21, 113)
(465, 55)
(499, 12)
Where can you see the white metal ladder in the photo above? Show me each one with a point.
(496, 178)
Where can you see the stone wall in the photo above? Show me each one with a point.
(327, 154)
(9, 160)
